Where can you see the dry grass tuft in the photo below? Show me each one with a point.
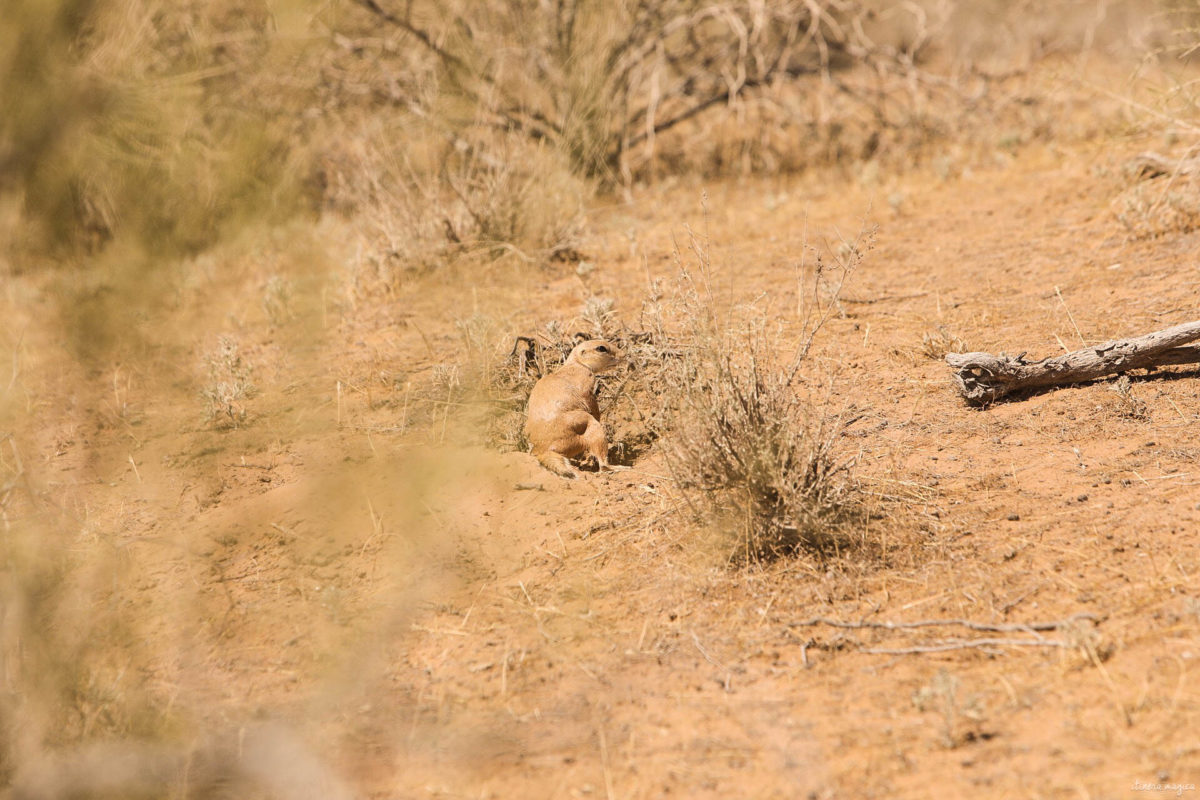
(1129, 405)
(1164, 205)
(228, 385)
(486, 196)
(755, 456)
(118, 124)
(937, 343)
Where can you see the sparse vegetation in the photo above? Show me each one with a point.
(278, 278)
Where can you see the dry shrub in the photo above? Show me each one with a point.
(753, 454)
(1161, 193)
(70, 663)
(654, 87)
(748, 439)
(116, 642)
(422, 201)
(1167, 203)
(603, 82)
(260, 760)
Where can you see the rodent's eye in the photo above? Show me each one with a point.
(601, 349)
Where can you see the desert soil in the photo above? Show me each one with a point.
(439, 619)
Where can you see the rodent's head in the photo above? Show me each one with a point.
(597, 355)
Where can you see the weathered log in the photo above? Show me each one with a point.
(984, 378)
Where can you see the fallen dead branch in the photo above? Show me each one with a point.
(963, 644)
(988, 627)
(956, 644)
(984, 378)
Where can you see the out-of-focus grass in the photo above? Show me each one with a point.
(116, 126)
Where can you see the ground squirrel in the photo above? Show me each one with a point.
(563, 419)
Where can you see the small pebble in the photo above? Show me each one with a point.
(1013, 517)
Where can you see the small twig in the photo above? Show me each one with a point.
(1143, 107)
(703, 652)
(1011, 604)
(608, 782)
(887, 298)
(1070, 316)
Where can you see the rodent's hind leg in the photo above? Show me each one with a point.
(557, 463)
(596, 444)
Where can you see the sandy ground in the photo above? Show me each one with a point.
(442, 620)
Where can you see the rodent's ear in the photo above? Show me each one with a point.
(580, 337)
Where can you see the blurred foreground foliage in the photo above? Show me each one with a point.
(118, 122)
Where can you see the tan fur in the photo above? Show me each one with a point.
(563, 419)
